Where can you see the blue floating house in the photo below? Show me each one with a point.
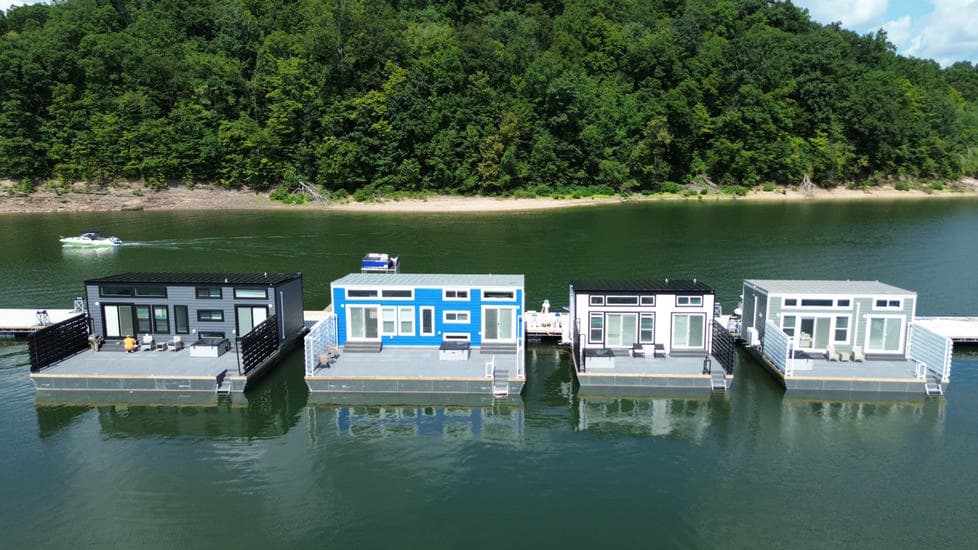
(420, 333)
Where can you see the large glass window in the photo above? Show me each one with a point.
(841, 329)
(621, 329)
(249, 317)
(688, 330)
(181, 320)
(210, 315)
(151, 291)
(209, 293)
(161, 319)
(251, 293)
(646, 328)
(115, 291)
(144, 322)
(596, 332)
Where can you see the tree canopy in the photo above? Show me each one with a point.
(469, 96)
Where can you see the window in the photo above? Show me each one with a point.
(498, 294)
(888, 304)
(210, 315)
(151, 291)
(596, 334)
(405, 319)
(788, 325)
(144, 323)
(648, 300)
(250, 293)
(161, 319)
(249, 317)
(209, 293)
(689, 300)
(427, 321)
(688, 331)
(816, 302)
(456, 316)
(597, 300)
(181, 320)
(790, 302)
(646, 328)
(622, 300)
(388, 317)
(115, 291)
(397, 293)
(359, 293)
(456, 294)
(843, 303)
(841, 329)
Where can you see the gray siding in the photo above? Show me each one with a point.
(292, 318)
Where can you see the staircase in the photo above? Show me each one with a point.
(933, 385)
(363, 347)
(718, 379)
(500, 383)
(223, 384)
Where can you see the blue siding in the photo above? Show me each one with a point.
(429, 297)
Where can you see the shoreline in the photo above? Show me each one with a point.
(130, 198)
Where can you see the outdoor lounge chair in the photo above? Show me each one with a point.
(831, 354)
(147, 343)
(176, 344)
(858, 355)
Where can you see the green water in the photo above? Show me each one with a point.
(751, 468)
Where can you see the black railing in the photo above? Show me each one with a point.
(52, 344)
(259, 344)
(723, 346)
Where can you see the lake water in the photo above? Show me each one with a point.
(750, 468)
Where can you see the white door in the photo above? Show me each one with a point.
(622, 330)
(499, 324)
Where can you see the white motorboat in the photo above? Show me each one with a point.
(90, 239)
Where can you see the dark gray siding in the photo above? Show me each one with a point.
(292, 318)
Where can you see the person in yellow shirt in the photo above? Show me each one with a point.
(129, 343)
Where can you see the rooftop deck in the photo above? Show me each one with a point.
(410, 370)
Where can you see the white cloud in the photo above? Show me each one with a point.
(851, 13)
(948, 34)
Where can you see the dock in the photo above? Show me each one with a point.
(25, 321)
(961, 330)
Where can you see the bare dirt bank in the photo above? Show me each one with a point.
(134, 197)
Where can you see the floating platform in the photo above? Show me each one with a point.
(626, 375)
(25, 321)
(961, 330)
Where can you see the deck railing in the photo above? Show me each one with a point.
(723, 346)
(931, 349)
(320, 338)
(259, 344)
(58, 341)
(776, 346)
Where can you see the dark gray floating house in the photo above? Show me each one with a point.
(195, 332)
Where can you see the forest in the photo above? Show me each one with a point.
(489, 97)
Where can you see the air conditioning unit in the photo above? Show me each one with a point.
(753, 339)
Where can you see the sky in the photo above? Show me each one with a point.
(943, 30)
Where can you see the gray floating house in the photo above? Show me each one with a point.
(647, 335)
(195, 332)
(396, 333)
(843, 336)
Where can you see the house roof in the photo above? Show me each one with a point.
(265, 279)
(640, 285)
(430, 280)
(855, 288)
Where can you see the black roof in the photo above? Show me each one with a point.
(640, 285)
(265, 279)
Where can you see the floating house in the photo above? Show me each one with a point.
(194, 332)
(402, 333)
(843, 336)
(649, 335)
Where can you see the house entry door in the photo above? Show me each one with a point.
(499, 324)
(362, 323)
(118, 321)
(884, 334)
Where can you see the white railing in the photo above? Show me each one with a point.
(318, 340)
(490, 367)
(777, 348)
(932, 350)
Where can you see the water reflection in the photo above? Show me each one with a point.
(873, 415)
(683, 418)
(501, 422)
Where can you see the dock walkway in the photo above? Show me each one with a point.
(961, 330)
(26, 321)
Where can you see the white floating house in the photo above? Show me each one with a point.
(648, 334)
(843, 335)
(420, 333)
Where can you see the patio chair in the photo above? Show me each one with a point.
(147, 343)
(176, 344)
(831, 354)
(858, 355)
